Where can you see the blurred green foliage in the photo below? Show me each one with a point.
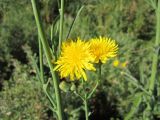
(21, 97)
(130, 22)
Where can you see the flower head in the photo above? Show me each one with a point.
(103, 48)
(124, 64)
(116, 63)
(74, 60)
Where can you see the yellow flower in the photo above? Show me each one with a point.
(124, 64)
(103, 48)
(116, 63)
(74, 60)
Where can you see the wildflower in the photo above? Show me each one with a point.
(103, 48)
(124, 64)
(116, 63)
(74, 60)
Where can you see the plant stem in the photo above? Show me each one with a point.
(41, 60)
(99, 71)
(86, 106)
(91, 93)
(49, 60)
(61, 26)
(155, 55)
(74, 20)
(85, 100)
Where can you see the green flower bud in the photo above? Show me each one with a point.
(64, 86)
(73, 87)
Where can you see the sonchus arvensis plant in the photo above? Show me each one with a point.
(78, 56)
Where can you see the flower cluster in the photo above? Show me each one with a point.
(79, 56)
(117, 63)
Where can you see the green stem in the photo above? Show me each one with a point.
(86, 106)
(99, 71)
(49, 96)
(85, 100)
(93, 90)
(61, 26)
(41, 60)
(42, 75)
(79, 11)
(79, 95)
(155, 55)
(49, 59)
(51, 35)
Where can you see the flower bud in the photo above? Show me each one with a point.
(64, 86)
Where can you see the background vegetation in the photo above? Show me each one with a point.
(130, 22)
